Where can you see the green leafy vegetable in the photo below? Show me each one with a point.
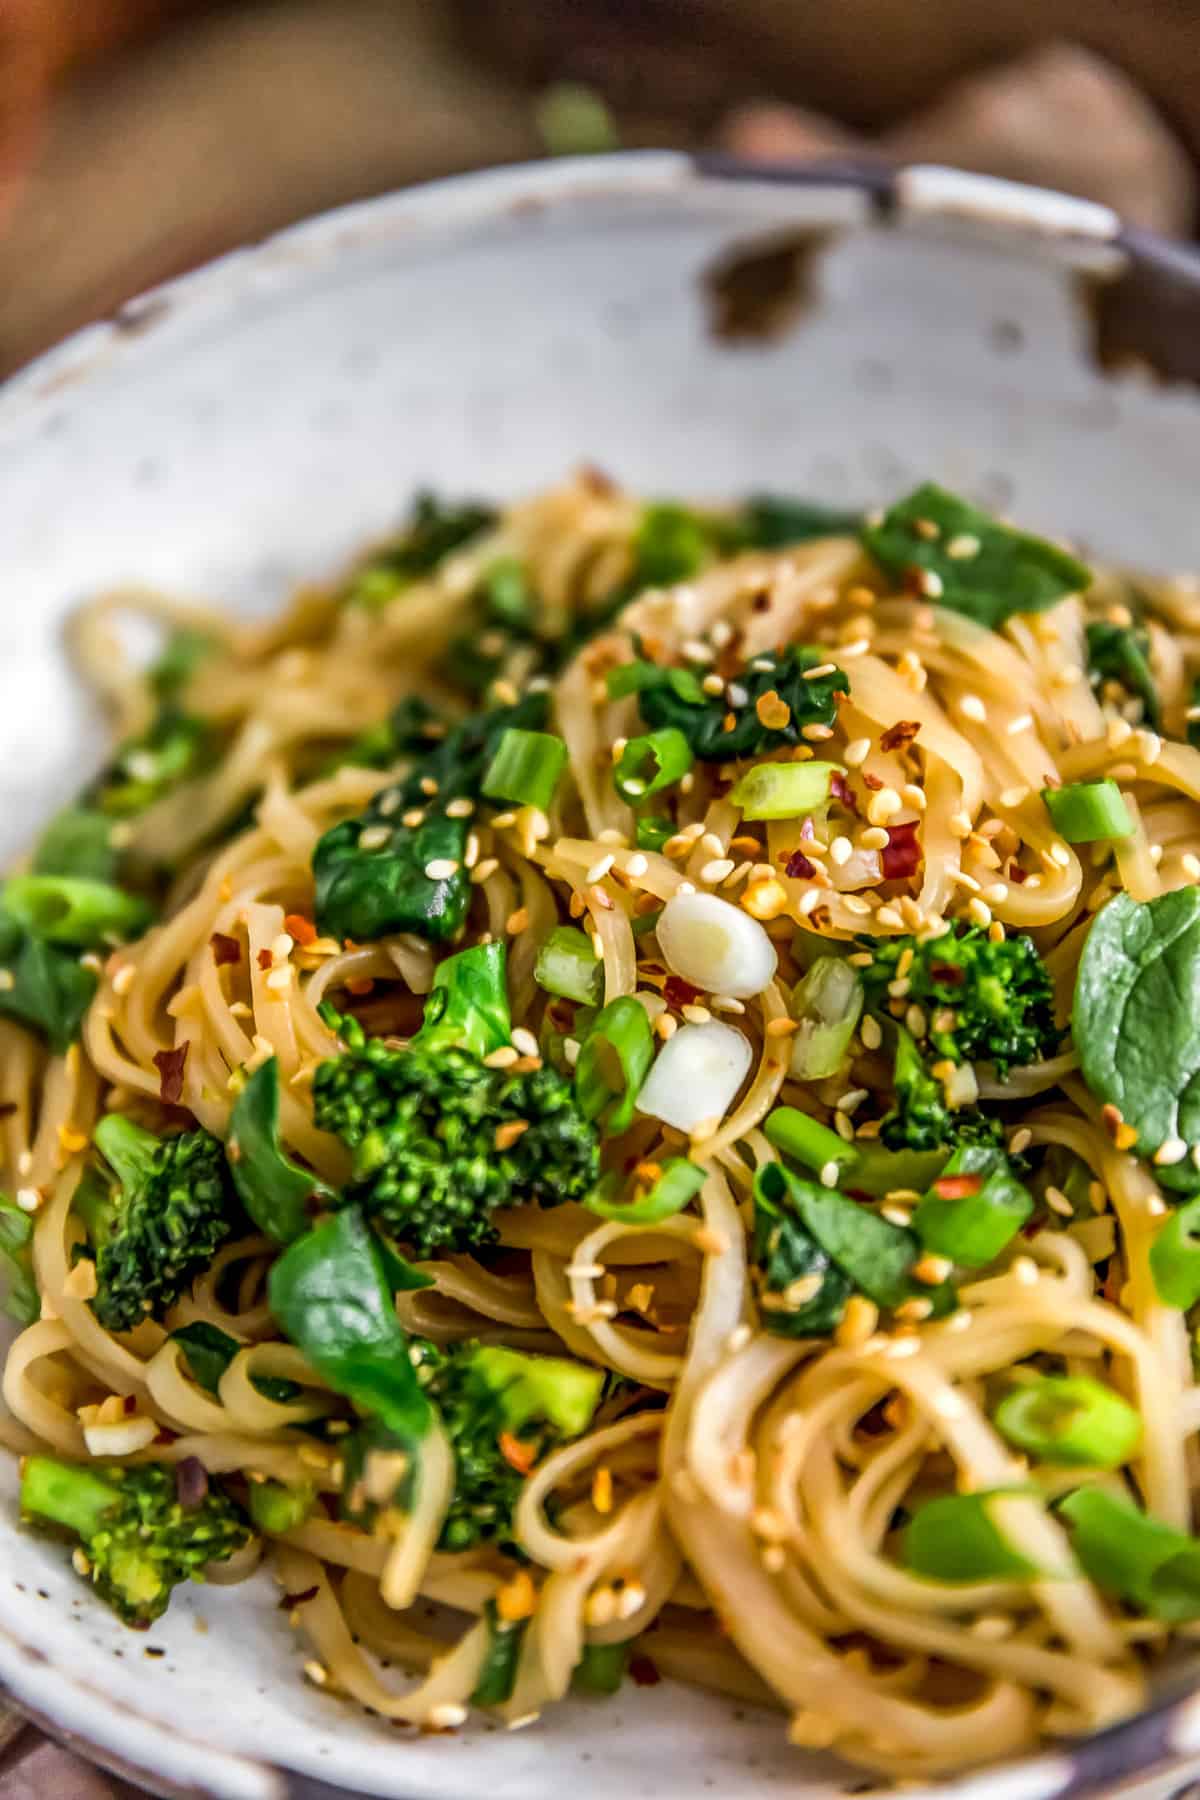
(434, 529)
(1121, 653)
(21, 1301)
(278, 1195)
(376, 874)
(139, 1539)
(975, 1207)
(42, 986)
(803, 1292)
(968, 561)
(1070, 1420)
(1137, 999)
(1133, 1555)
(209, 1352)
(773, 521)
(722, 727)
(921, 1119)
(78, 842)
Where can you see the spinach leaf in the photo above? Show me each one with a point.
(47, 989)
(1137, 1000)
(1121, 653)
(276, 1193)
(21, 1302)
(720, 727)
(499, 1671)
(77, 841)
(773, 521)
(971, 563)
(785, 1252)
(332, 1296)
(209, 1352)
(371, 871)
(874, 1254)
(434, 529)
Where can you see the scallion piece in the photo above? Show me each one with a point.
(784, 790)
(650, 763)
(670, 1193)
(974, 1208)
(1175, 1257)
(653, 832)
(810, 1142)
(567, 965)
(957, 1538)
(1130, 1554)
(614, 1060)
(526, 768)
(1087, 812)
(1070, 1420)
(828, 1003)
(600, 1669)
(74, 909)
(498, 1671)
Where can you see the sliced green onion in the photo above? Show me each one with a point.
(678, 1182)
(526, 768)
(1175, 1257)
(614, 1060)
(650, 763)
(601, 1668)
(632, 677)
(74, 909)
(879, 1171)
(498, 1671)
(828, 1004)
(974, 1207)
(1070, 1419)
(653, 832)
(567, 965)
(957, 1538)
(1128, 1553)
(809, 1142)
(784, 790)
(506, 590)
(1086, 812)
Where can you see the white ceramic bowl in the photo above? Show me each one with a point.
(247, 426)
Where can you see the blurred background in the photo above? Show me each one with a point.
(139, 137)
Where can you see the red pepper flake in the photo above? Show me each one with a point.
(901, 854)
(729, 721)
(1016, 873)
(761, 602)
(948, 973)
(898, 735)
(517, 1455)
(225, 949)
(170, 1065)
(364, 985)
(644, 1672)
(799, 867)
(191, 1483)
(7, 1108)
(678, 993)
(302, 931)
(872, 781)
(841, 790)
(300, 1599)
(957, 1187)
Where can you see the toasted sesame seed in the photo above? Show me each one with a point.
(960, 878)
(713, 684)
(1190, 864)
(871, 1033)
(28, 1199)
(696, 1014)
(524, 1041)
(883, 805)
(853, 903)
(841, 850)
(821, 669)
(1171, 1150)
(875, 837)
(503, 1058)
(930, 583)
(963, 546)
(517, 921)
(441, 868)
(960, 824)
(856, 752)
(124, 978)
(972, 707)
(482, 870)
(979, 911)
(447, 1713)
(637, 865)
(716, 870)
(914, 796)
(830, 1173)
(1057, 1201)
(1020, 1140)
(896, 1215)
(1060, 855)
(888, 916)
(857, 1323)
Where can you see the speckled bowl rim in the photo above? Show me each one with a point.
(146, 1750)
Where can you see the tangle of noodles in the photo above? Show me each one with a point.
(734, 1512)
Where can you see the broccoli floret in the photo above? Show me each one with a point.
(921, 1118)
(720, 728)
(983, 1002)
(502, 1412)
(138, 1538)
(439, 1139)
(164, 1220)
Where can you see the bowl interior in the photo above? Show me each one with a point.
(246, 428)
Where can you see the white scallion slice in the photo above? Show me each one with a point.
(716, 946)
(696, 1075)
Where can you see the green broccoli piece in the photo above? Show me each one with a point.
(720, 728)
(502, 1412)
(371, 871)
(138, 1538)
(920, 1118)
(427, 1124)
(984, 1002)
(164, 1220)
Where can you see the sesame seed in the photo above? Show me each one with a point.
(816, 734)
(896, 1215)
(915, 1021)
(913, 796)
(871, 1033)
(666, 1026)
(1190, 864)
(1023, 722)
(829, 1174)
(28, 1199)
(1020, 1140)
(916, 1309)
(979, 911)
(856, 752)
(874, 838)
(1025, 1271)
(503, 1058)
(524, 1040)
(697, 651)
(124, 978)
(713, 684)
(858, 1322)
(963, 546)
(517, 921)
(810, 901)
(1059, 854)
(696, 1014)
(887, 915)
(841, 850)
(997, 893)
(1171, 1150)
(412, 818)
(853, 903)
(717, 869)
(600, 868)
(906, 1346)
(930, 583)
(972, 707)
(1057, 1201)
(960, 824)
(441, 868)
(960, 878)
(727, 1004)
(845, 1126)
(374, 837)
(637, 865)
(821, 669)
(1149, 746)
(482, 870)
(446, 1714)
(461, 808)
(883, 805)
(316, 1672)
(1119, 732)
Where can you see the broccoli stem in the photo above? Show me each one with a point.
(66, 1494)
(468, 1006)
(129, 1149)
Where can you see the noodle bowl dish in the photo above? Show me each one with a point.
(605, 1099)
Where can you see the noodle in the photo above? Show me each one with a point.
(740, 1508)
